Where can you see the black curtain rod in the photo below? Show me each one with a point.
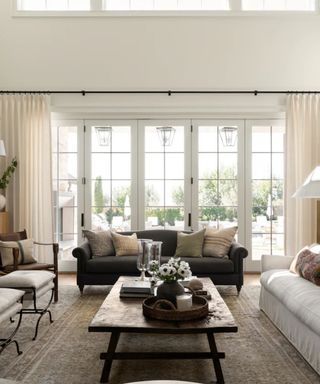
(169, 92)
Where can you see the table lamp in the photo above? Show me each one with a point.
(311, 189)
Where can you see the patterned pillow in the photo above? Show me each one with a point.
(190, 245)
(308, 266)
(218, 242)
(25, 252)
(293, 265)
(100, 242)
(125, 245)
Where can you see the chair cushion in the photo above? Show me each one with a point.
(100, 243)
(298, 295)
(190, 244)
(217, 243)
(28, 267)
(8, 297)
(25, 251)
(26, 279)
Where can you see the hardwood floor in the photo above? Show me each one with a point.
(69, 278)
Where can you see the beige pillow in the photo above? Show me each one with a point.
(100, 242)
(125, 245)
(218, 242)
(190, 245)
(25, 252)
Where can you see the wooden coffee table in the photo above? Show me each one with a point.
(125, 315)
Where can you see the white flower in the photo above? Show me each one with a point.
(164, 270)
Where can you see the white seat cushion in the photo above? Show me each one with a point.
(300, 296)
(8, 302)
(26, 279)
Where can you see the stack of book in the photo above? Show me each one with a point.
(136, 289)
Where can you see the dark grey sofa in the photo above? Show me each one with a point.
(106, 269)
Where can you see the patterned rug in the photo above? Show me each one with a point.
(66, 353)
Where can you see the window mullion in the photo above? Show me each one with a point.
(96, 5)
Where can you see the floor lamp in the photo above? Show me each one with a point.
(311, 189)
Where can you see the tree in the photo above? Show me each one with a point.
(98, 195)
(151, 196)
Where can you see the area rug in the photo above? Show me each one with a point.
(66, 353)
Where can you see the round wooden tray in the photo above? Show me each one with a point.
(161, 309)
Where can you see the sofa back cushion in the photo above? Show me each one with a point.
(100, 242)
(168, 238)
(218, 242)
(190, 244)
(125, 245)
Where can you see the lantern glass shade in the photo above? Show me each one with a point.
(104, 135)
(2, 149)
(166, 135)
(228, 136)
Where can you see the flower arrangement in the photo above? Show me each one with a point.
(175, 269)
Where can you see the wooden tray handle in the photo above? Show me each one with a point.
(163, 301)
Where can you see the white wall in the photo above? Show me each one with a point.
(159, 53)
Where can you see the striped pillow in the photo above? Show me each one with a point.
(218, 242)
(25, 252)
(125, 245)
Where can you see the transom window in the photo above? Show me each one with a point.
(278, 5)
(166, 6)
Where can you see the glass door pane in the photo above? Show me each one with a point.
(109, 174)
(164, 174)
(67, 193)
(266, 176)
(218, 170)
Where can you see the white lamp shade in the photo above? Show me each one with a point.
(311, 187)
(2, 148)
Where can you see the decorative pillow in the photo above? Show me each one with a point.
(308, 266)
(190, 244)
(293, 265)
(25, 252)
(218, 242)
(125, 245)
(100, 242)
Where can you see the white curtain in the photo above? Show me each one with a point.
(302, 156)
(25, 130)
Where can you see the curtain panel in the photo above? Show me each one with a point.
(302, 156)
(25, 129)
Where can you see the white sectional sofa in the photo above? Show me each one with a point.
(293, 305)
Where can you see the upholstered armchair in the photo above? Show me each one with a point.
(16, 260)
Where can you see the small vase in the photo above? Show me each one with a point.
(168, 290)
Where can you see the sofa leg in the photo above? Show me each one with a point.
(81, 287)
(239, 286)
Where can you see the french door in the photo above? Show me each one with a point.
(170, 174)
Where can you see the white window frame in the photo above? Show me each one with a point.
(241, 175)
(70, 265)
(141, 165)
(97, 11)
(87, 171)
(250, 264)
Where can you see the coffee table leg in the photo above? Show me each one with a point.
(110, 353)
(215, 359)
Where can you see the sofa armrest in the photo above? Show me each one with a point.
(237, 253)
(275, 262)
(82, 254)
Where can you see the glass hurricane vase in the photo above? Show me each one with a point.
(143, 256)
